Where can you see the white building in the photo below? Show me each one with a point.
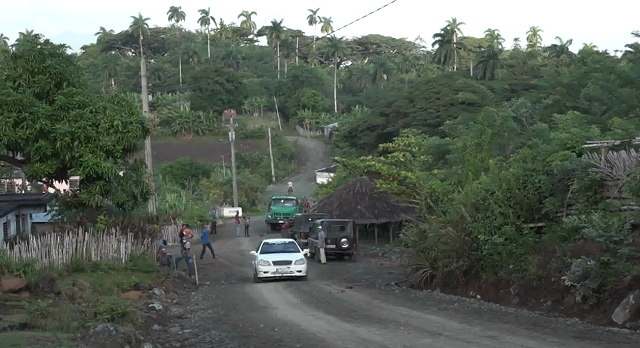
(324, 175)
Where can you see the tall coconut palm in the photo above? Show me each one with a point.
(313, 20)
(381, 70)
(455, 30)
(205, 23)
(585, 46)
(494, 38)
(327, 25)
(534, 38)
(489, 63)
(407, 65)
(102, 34)
(275, 34)
(447, 49)
(177, 16)
(288, 46)
(4, 42)
(336, 51)
(560, 48)
(247, 20)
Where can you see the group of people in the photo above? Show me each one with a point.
(185, 235)
(246, 221)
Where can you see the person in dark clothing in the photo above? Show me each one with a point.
(247, 223)
(206, 243)
(306, 206)
(214, 221)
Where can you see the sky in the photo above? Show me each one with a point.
(74, 22)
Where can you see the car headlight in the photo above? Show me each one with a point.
(264, 263)
(268, 216)
(344, 242)
(300, 262)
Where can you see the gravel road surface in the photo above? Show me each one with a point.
(353, 304)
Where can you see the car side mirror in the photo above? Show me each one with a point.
(252, 252)
(305, 252)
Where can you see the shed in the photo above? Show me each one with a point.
(358, 200)
(328, 129)
(324, 175)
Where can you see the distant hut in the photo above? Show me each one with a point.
(359, 201)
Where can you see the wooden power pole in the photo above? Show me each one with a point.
(232, 140)
(273, 170)
(148, 155)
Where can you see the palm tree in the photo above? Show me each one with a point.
(336, 51)
(313, 20)
(327, 25)
(4, 42)
(446, 48)
(494, 38)
(247, 21)
(406, 64)
(313, 58)
(381, 70)
(585, 46)
(102, 34)
(205, 23)
(230, 58)
(176, 15)
(560, 48)
(275, 34)
(455, 30)
(534, 38)
(489, 63)
(288, 47)
(516, 44)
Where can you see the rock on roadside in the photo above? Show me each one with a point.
(12, 285)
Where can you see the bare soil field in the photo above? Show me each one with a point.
(209, 150)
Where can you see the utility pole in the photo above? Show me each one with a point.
(232, 140)
(273, 170)
(297, 51)
(277, 113)
(148, 155)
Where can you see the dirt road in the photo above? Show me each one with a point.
(353, 304)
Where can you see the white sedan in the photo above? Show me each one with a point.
(279, 258)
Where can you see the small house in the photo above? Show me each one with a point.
(16, 211)
(328, 129)
(324, 175)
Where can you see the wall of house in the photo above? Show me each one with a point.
(9, 222)
(323, 178)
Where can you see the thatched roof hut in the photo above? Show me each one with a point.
(359, 201)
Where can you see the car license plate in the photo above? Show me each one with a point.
(282, 270)
(331, 246)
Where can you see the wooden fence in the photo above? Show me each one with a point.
(60, 249)
(306, 133)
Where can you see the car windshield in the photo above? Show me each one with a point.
(280, 247)
(283, 203)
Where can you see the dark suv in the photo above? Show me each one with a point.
(340, 240)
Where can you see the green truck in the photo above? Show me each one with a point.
(281, 208)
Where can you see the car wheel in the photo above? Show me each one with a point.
(255, 278)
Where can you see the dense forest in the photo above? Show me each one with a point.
(498, 144)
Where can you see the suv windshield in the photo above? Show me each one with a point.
(283, 247)
(283, 203)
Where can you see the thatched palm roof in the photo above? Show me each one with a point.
(359, 201)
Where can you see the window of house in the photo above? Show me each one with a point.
(5, 230)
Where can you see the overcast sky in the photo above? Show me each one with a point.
(607, 25)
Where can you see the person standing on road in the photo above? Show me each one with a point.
(214, 221)
(321, 245)
(206, 243)
(306, 205)
(237, 223)
(247, 223)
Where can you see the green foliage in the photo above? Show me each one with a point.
(214, 89)
(59, 128)
(185, 172)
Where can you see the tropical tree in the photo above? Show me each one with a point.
(516, 46)
(247, 21)
(102, 34)
(327, 25)
(381, 71)
(313, 19)
(494, 38)
(489, 63)
(177, 16)
(336, 51)
(205, 23)
(534, 38)
(560, 48)
(447, 49)
(589, 46)
(454, 31)
(276, 32)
